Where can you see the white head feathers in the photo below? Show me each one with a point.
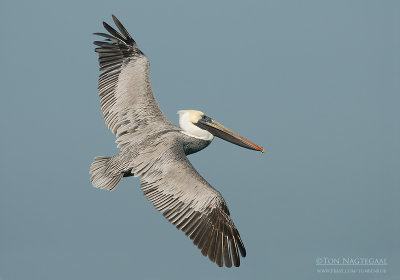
(187, 118)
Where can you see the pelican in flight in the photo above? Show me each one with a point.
(155, 150)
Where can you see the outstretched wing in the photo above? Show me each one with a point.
(126, 97)
(177, 190)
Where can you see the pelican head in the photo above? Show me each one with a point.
(199, 125)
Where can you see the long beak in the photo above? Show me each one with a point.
(222, 132)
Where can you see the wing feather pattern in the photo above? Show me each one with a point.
(178, 191)
(126, 96)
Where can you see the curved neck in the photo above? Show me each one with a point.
(192, 144)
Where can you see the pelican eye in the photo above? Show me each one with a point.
(205, 118)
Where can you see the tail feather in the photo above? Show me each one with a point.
(102, 174)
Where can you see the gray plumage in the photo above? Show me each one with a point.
(155, 150)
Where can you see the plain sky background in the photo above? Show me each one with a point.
(316, 83)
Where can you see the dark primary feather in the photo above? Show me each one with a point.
(123, 29)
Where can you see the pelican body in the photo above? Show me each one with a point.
(155, 150)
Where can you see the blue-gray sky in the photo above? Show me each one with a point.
(314, 82)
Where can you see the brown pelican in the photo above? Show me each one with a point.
(155, 150)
